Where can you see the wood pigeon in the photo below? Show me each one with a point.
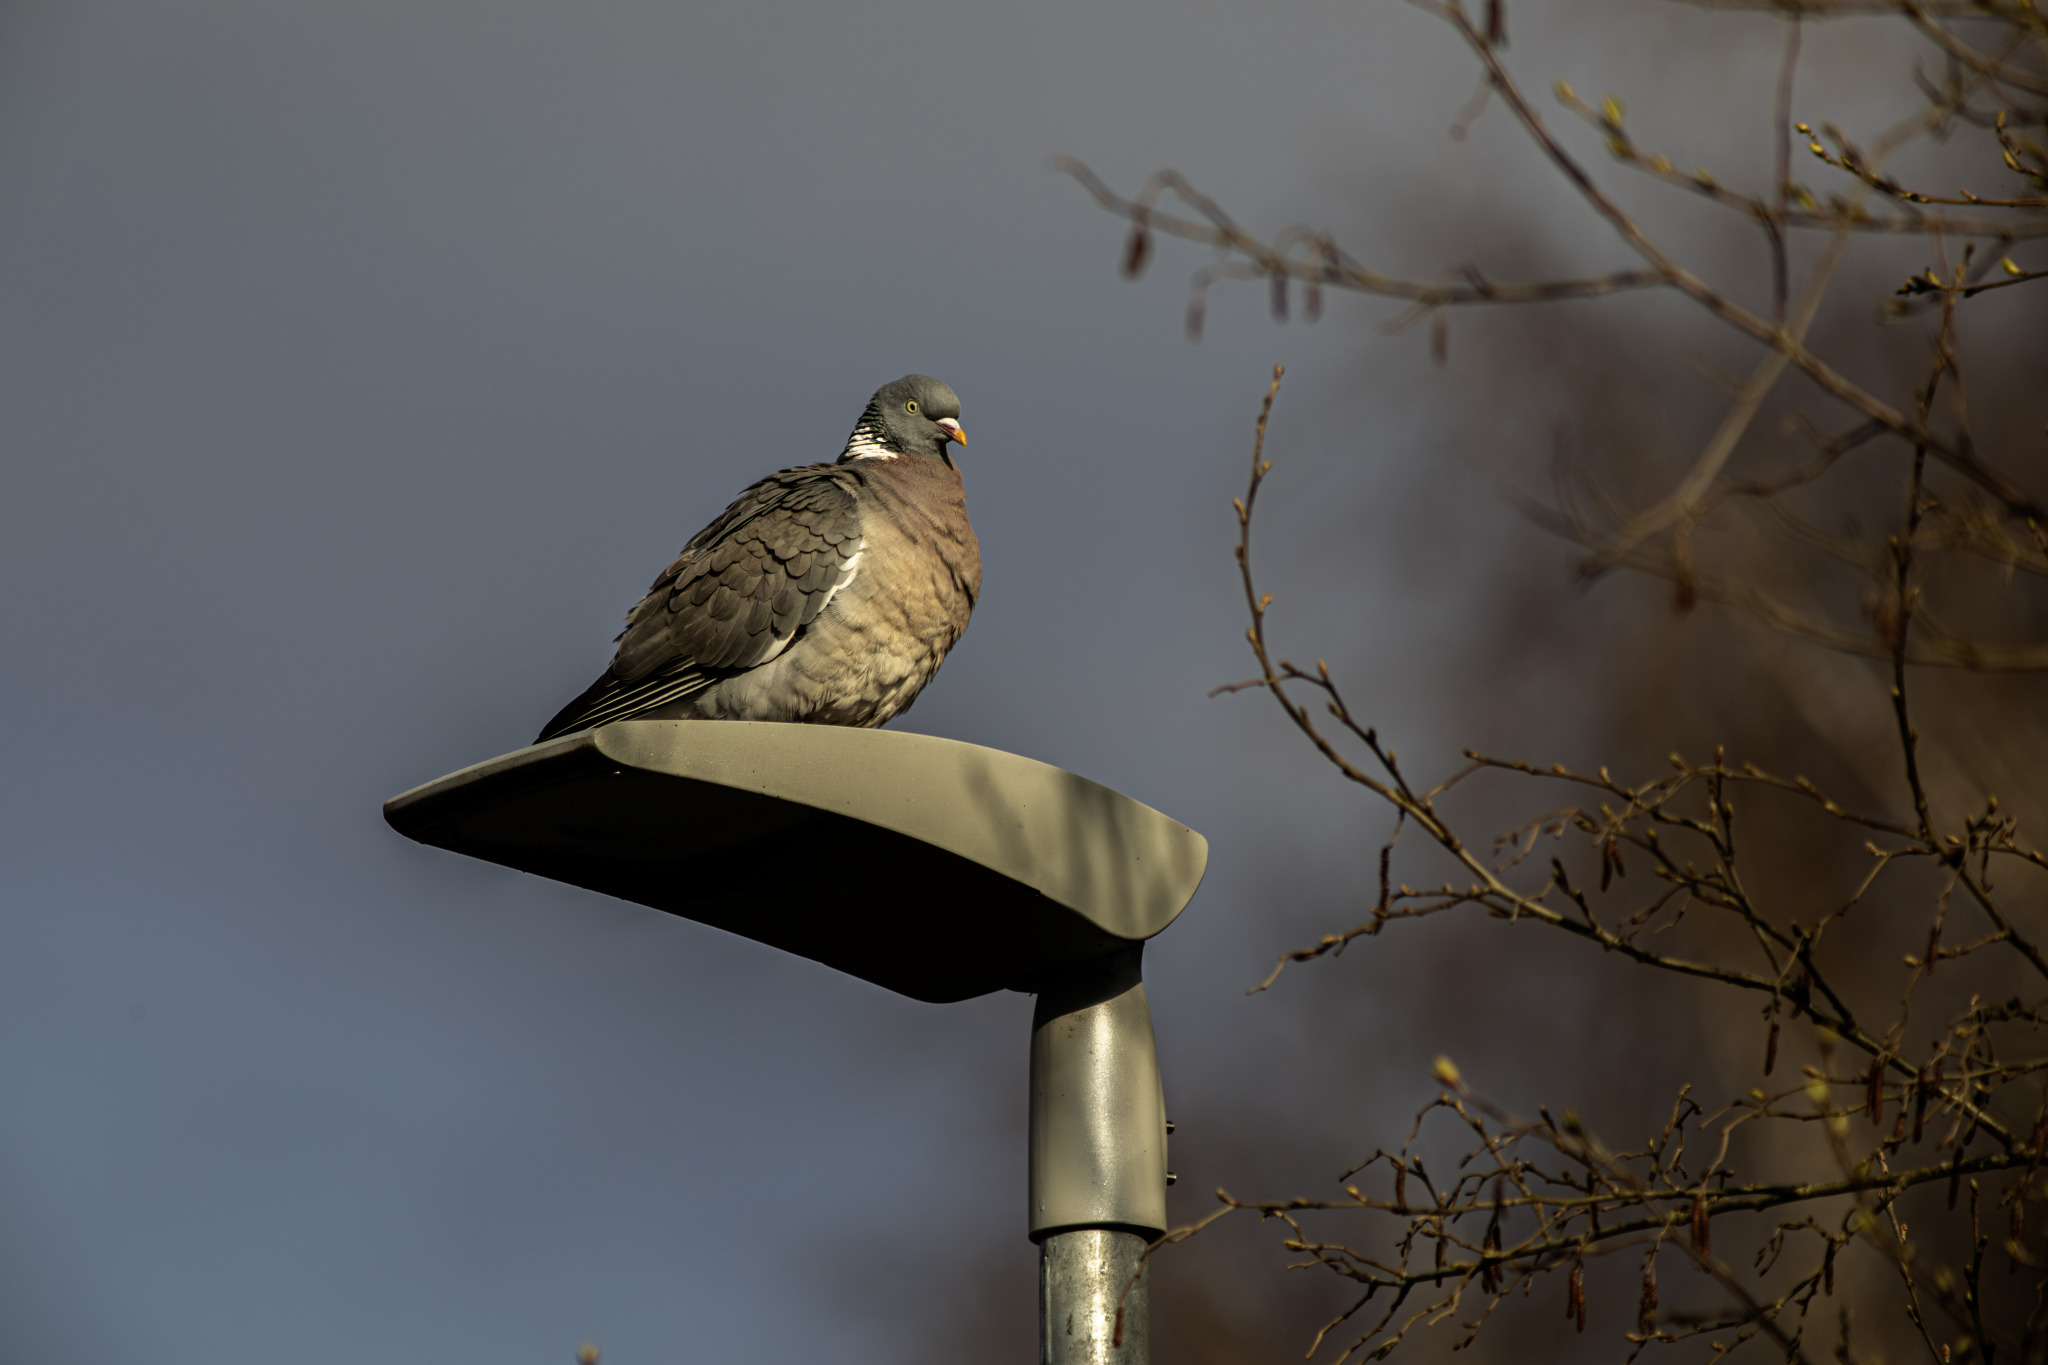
(827, 593)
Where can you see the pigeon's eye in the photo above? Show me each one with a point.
(911, 406)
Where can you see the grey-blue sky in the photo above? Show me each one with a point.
(358, 365)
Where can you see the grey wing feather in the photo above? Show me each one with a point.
(734, 598)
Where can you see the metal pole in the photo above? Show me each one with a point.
(1098, 1161)
(1081, 1279)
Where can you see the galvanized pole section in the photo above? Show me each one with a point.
(1081, 1279)
(1098, 1162)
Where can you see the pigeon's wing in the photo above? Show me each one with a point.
(735, 597)
(744, 585)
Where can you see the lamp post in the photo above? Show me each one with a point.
(936, 869)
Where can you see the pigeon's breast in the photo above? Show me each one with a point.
(888, 628)
(916, 514)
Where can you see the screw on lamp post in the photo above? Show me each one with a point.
(979, 871)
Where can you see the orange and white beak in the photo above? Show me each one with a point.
(953, 432)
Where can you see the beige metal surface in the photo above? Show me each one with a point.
(939, 869)
(1098, 1114)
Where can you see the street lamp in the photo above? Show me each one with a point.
(956, 871)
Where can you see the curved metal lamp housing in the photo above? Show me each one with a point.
(937, 869)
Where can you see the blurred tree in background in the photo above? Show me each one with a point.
(1812, 804)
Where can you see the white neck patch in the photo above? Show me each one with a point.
(870, 440)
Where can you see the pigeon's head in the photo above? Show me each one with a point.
(916, 415)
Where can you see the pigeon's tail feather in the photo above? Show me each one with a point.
(609, 699)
